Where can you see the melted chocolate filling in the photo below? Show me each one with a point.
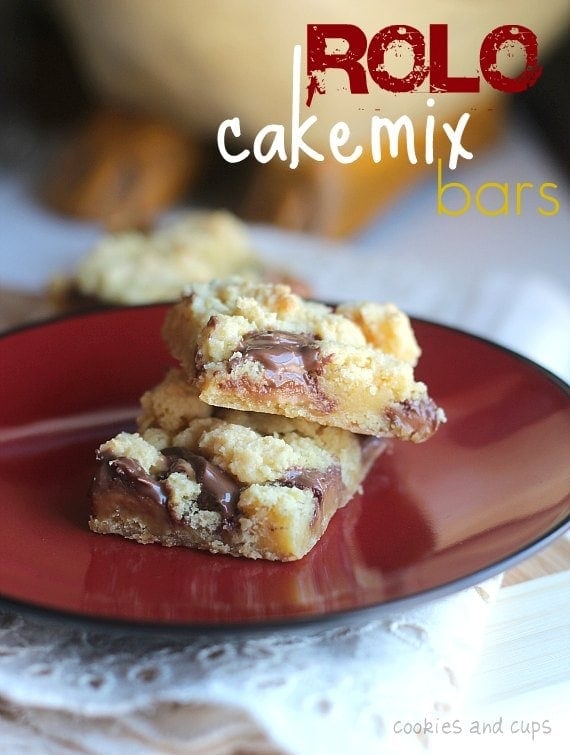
(219, 490)
(286, 357)
(128, 474)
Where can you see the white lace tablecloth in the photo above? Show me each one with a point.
(67, 689)
(326, 691)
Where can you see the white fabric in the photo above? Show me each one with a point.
(325, 691)
(333, 691)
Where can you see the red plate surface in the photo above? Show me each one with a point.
(490, 488)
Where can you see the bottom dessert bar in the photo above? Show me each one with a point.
(238, 483)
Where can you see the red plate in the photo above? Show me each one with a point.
(487, 491)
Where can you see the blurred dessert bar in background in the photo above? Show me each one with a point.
(136, 267)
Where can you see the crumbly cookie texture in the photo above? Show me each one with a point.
(261, 347)
(171, 404)
(132, 267)
(135, 268)
(231, 482)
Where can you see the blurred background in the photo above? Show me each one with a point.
(107, 124)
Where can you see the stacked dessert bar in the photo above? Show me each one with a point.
(276, 414)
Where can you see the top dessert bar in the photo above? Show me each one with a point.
(261, 347)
